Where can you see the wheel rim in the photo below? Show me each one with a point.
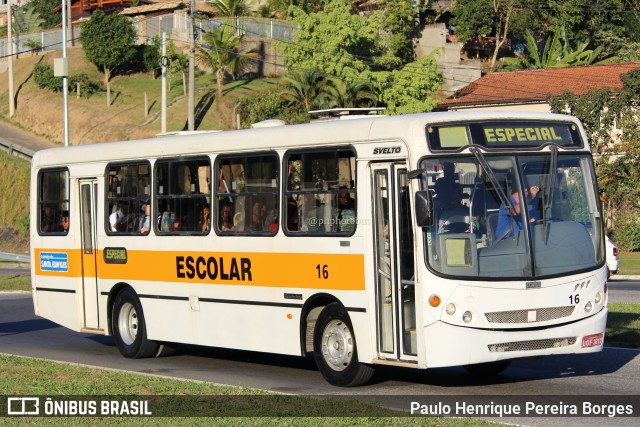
(337, 345)
(128, 323)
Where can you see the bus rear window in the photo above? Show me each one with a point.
(53, 201)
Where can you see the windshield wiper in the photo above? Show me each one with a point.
(547, 202)
(492, 177)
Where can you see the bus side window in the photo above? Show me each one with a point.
(247, 194)
(128, 192)
(322, 185)
(53, 201)
(182, 190)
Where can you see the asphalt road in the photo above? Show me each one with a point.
(613, 372)
(23, 138)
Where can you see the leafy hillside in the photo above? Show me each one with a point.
(14, 207)
(91, 120)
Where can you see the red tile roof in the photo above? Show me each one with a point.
(518, 87)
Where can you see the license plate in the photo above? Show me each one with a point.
(592, 340)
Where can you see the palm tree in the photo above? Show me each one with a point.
(26, 20)
(231, 8)
(556, 54)
(221, 51)
(349, 93)
(307, 89)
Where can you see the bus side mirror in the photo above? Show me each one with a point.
(424, 209)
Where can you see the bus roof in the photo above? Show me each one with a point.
(402, 127)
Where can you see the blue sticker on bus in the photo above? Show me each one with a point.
(54, 261)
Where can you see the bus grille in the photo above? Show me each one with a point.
(530, 316)
(532, 345)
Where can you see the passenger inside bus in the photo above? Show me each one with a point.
(48, 220)
(346, 212)
(226, 224)
(120, 218)
(452, 215)
(293, 218)
(145, 220)
(204, 223)
(257, 216)
(510, 220)
(64, 221)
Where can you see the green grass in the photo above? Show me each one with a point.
(14, 188)
(623, 325)
(630, 263)
(32, 377)
(16, 283)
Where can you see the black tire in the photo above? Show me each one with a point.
(129, 328)
(335, 349)
(488, 369)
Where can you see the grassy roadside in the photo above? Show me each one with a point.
(629, 263)
(33, 377)
(623, 325)
(16, 283)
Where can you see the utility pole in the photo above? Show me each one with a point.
(163, 121)
(192, 67)
(70, 18)
(12, 100)
(65, 76)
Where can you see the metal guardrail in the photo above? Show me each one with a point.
(6, 256)
(16, 150)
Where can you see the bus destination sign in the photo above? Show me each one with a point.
(503, 134)
(527, 135)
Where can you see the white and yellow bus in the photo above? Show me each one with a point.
(422, 241)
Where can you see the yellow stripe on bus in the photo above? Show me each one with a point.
(291, 270)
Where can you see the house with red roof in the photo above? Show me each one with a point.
(528, 90)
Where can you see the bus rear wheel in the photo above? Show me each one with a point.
(335, 349)
(488, 369)
(129, 328)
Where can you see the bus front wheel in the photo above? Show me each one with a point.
(129, 328)
(334, 345)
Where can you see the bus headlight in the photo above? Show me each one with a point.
(598, 297)
(588, 307)
(450, 309)
(467, 317)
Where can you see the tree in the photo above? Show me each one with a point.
(399, 21)
(334, 41)
(619, 178)
(343, 44)
(556, 54)
(108, 42)
(349, 93)
(231, 8)
(485, 17)
(178, 63)
(305, 90)
(151, 56)
(412, 89)
(26, 20)
(46, 9)
(221, 51)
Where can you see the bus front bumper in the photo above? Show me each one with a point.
(466, 346)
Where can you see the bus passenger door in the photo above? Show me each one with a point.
(394, 257)
(88, 192)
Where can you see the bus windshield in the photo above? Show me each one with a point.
(513, 216)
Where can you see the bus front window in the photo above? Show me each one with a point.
(512, 216)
